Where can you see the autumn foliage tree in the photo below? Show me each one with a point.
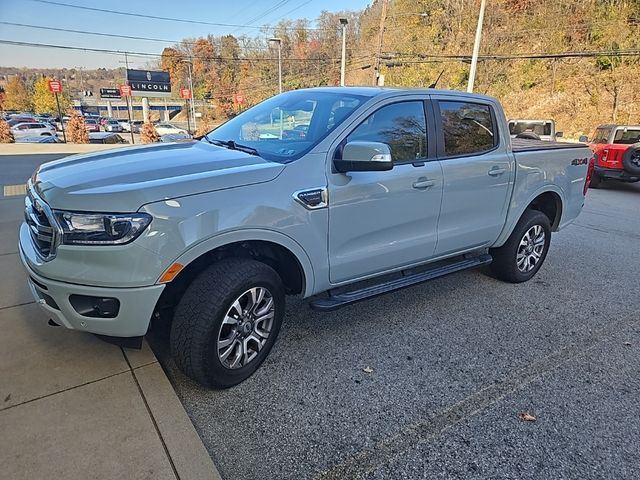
(17, 95)
(148, 133)
(6, 135)
(44, 101)
(76, 128)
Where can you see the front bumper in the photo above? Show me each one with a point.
(134, 314)
(616, 174)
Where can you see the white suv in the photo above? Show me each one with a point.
(29, 129)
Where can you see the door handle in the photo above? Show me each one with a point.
(494, 172)
(423, 183)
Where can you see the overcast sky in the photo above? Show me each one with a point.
(33, 12)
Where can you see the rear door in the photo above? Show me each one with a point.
(477, 169)
(379, 221)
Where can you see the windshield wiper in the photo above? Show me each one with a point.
(233, 146)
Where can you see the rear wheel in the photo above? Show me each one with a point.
(522, 255)
(227, 321)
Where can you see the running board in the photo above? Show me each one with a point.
(333, 302)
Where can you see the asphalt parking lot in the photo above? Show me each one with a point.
(449, 366)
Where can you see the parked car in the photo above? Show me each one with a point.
(165, 128)
(39, 139)
(135, 125)
(92, 125)
(617, 153)
(174, 137)
(29, 129)
(209, 236)
(534, 129)
(112, 126)
(15, 120)
(106, 137)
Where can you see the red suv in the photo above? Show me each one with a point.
(617, 152)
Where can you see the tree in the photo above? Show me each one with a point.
(148, 133)
(17, 95)
(6, 135)
(44, 101)
(76, 128)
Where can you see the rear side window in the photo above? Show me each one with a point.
(467, 127)
(627, 136)
(401, 125)
(601, 135)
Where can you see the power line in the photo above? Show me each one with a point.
(158, 55)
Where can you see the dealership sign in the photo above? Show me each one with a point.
(109, 93)
(147, 83)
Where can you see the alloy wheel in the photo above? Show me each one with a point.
(245, 328)
(530, 249)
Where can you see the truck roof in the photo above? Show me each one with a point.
(375, 91)
(617, 125)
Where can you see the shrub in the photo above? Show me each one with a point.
(148, 133)
(6, 135)
(76, 129)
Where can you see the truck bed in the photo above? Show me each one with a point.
(527, 145)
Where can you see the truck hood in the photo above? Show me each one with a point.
(122, 180)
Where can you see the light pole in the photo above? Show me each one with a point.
(343, 22)
(192, 113)
(476, 47)
(279, 42)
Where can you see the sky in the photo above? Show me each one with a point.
(41, 13)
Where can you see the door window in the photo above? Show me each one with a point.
(627, 136)
(402, 126)
(601, 135)
(467, 127)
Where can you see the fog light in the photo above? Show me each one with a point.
(95, 307)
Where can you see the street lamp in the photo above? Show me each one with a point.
(279, 42)
(193, 107)
(344, 22)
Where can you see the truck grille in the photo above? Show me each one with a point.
(41, 223)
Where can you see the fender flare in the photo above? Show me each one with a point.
(511, 222)
(253, 234)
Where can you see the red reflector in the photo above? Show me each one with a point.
(587, 179)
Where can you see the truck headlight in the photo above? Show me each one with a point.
(101, 228)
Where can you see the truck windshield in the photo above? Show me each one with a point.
(285, 127)
(539, 128)
(627, 136)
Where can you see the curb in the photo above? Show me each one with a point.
(182, 444)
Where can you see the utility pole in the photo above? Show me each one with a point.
(193, 106)
(129, 101)
(344, 22)
(383, 19)
(279, 42)
(476, 47)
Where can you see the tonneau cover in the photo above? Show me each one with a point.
(526, 144)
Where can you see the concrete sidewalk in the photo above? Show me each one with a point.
(74, 407)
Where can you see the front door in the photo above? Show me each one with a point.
(379, 221)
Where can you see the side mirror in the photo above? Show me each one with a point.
(360, 156)
(583, 139)
(558, 134)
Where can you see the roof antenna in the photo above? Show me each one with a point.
(433, 85)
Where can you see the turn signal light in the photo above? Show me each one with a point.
(171, 273)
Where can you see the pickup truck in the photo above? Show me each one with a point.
(617, 153)
(391, 186)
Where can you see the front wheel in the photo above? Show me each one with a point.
(522, 255)
(227, 321)
(596, 180)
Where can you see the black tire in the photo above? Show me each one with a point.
(631, 159)
(505, 264)
(596, 180)
(198, 319)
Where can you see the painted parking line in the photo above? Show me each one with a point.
(14, 190)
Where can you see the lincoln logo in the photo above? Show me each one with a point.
(149, 76)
